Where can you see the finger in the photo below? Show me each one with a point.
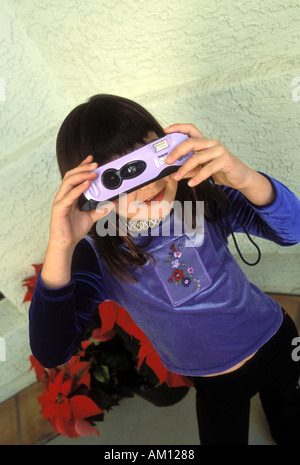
(71, 197)
(73, 180)
(198, 159)
(188, 129)
(84, 166)
(190, 145)
(187, 175)
(206, 171)
(88, 159)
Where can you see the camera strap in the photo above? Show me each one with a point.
(223, 211)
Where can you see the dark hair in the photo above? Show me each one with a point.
(107, 126)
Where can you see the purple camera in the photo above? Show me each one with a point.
(134, 170)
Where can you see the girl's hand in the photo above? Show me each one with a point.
(68, 224)
(210, 158)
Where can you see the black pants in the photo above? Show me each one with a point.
(223, 402)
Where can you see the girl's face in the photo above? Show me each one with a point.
(149, 202)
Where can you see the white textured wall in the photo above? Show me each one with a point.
(227, 67)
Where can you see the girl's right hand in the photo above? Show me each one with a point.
(68, 224)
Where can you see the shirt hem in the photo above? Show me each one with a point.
(228, 366)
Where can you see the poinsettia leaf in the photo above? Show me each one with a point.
(155, 364)
(80, 373)
(125, 321)
(55, 387)
(101, 335)
(84, 428)
(64, 427)
(64, 409)
(66, 387)
(175, 380)
(84, 407)
(86, 344)
(37, 268)
(28, 295)
(108, 311)
(101, 373)
(30, 283)
(50, 410)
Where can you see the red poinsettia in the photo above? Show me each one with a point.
(111, 314)
(149, 354)
(43, 375)
(108, 311)
(125, 321)
(78, 371)
(151, 357)
(67, 414)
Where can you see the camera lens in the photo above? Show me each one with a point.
(111, 179)
(132, 169)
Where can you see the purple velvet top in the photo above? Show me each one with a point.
(195, 305)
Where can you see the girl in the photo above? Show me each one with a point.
(196, 306)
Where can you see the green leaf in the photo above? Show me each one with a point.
(101, 373)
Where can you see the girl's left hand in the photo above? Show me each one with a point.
(210, 158)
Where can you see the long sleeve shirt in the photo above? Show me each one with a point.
(195, 304)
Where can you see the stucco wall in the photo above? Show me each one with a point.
(230, 68)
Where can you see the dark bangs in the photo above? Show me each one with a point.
(105, 126)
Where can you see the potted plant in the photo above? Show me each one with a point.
(115, 360)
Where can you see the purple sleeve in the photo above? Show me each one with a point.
(278, 222)
(58, 318)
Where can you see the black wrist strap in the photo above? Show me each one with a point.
(223, 211)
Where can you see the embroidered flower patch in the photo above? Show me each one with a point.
(183, 274)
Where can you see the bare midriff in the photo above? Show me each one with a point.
(235, 367)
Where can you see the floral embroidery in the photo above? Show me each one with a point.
(177, 275)
(180, 270)
(181, 275)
